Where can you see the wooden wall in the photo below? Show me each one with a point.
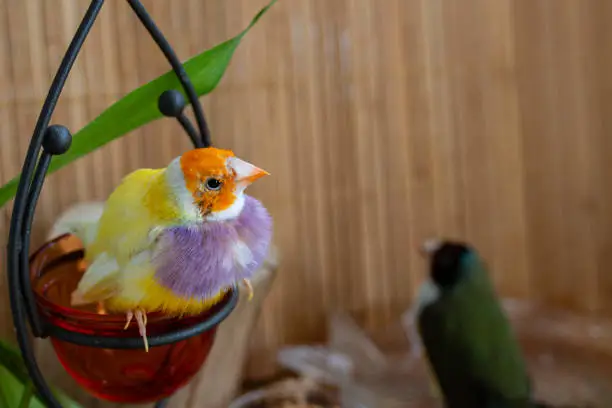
(382, 123)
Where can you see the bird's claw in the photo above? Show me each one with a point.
(141, 319)
(129, 317)
(249, 289)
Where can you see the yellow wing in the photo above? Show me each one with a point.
(128, 218)
(141, 205)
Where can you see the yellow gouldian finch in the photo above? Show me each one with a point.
(175, 239)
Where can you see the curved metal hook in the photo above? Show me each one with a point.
(56, 140)
(20, 289)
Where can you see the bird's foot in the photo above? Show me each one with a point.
(249, 289)
(129, 316)
(141, 319)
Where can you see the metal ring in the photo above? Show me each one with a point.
(154, 341)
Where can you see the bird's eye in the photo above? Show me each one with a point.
(213, 184)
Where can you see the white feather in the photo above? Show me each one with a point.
(242, 254)
(230, 212)
(428, 294)
(80, 220)
(176, 180)
(103, 267)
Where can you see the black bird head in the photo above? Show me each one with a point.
(446, 267)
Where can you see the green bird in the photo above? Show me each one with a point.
(467, 338)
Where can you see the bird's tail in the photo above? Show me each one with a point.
(80, 220)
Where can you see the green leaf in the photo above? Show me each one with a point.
(139, 107)
(14, 382)
(13, 391)
(4, 389)
(26, 395)
(10, 358)
(10, 388)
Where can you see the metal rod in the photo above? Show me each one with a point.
(56, 140)
(171, 103)
(30, 207)
(163, 44)
(189, 129)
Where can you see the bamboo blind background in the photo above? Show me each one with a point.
(382, 123)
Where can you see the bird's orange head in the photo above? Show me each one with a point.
(213, 180)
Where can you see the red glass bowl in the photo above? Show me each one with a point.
(115, 374)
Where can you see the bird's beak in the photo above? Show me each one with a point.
(429, 246)
(245, 172)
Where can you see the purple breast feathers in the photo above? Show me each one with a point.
(199, 261)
